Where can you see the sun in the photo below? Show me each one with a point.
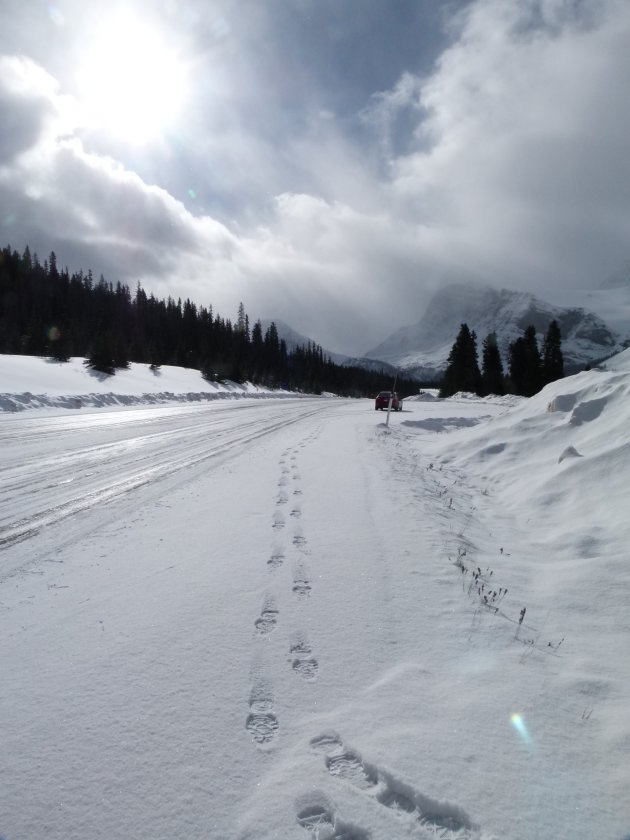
(132, 81)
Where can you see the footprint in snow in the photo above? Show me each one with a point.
(326, 742)
(303, 662)
(307, 669)
(347, 764)
(278, 521)
(392, 793)
(301, 580)
(261, 722)
(302, 588)
(268, 618)
(276, 560)
(316, 815)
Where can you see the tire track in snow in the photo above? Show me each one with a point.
(49, 490)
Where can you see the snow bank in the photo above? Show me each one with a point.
(619, 362)
(28, 382)
(525, 454)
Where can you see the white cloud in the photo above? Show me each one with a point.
(526, 165)
(100, 211)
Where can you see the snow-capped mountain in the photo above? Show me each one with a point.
(422, 349)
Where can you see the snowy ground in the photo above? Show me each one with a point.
(280, 619)
(32, 382)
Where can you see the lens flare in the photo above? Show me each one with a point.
(519, 724)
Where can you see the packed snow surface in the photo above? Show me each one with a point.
(282, 618)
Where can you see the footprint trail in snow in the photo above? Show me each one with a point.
(442, 819)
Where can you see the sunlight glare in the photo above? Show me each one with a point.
(133, 83)
(519, 724)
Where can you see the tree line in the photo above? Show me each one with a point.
(530, 368)
(46, 311)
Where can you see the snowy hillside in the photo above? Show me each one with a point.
(280, 619)
(424, 347)
(38, 382)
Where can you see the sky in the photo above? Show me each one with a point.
(329, 163)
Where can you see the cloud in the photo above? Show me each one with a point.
(521, 159)
(32, 108)
(344, 275)
(323, 265)
(391, 114)
(88, 206)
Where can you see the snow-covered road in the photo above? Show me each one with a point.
(54, 467)
(242, 620)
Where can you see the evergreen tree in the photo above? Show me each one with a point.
(272, 356)
(46, 311)
(525, 364)
(256, 353)
(241, 320)
(492, 381)
(52, 266)
(27, 262)
(552, 358)
(462, 370)
(101, 357)
(121, 356)
(59, 347)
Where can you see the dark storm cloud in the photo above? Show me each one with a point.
(30, 106)
(21, 126)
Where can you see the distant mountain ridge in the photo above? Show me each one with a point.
(422, 349)
(295, 339)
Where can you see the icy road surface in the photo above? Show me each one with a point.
(54, 467)
(242, 621)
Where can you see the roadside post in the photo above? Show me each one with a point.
(389, 404)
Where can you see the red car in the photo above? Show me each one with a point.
(382, 401)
